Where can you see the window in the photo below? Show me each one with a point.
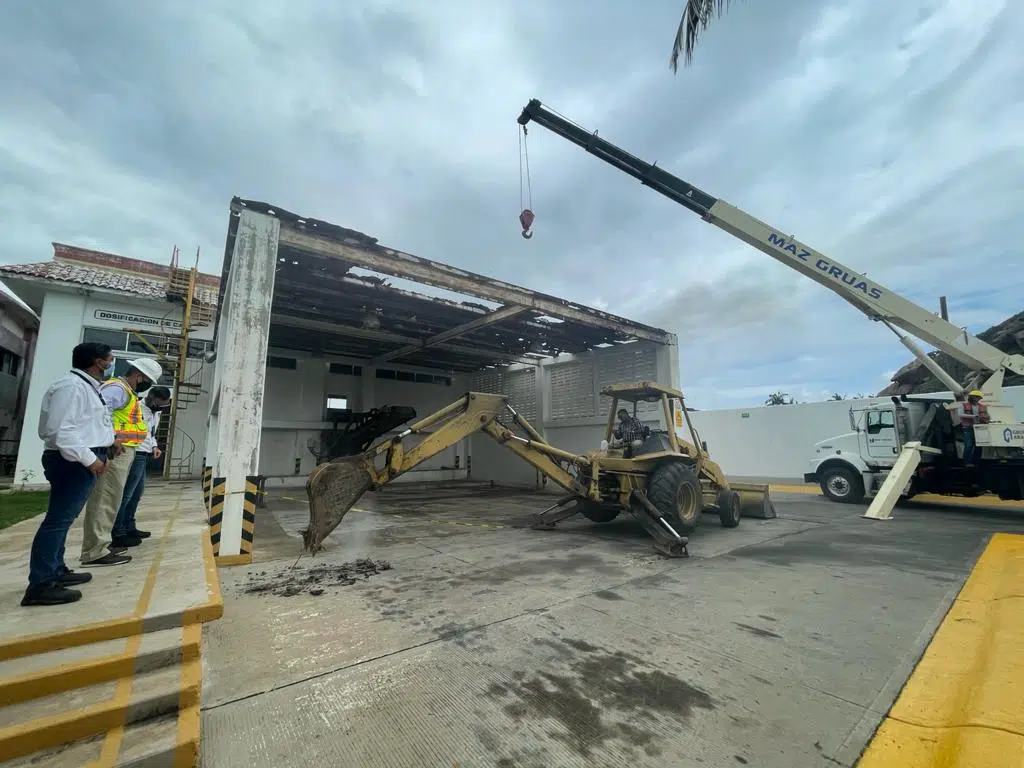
(343, 369)
(10, 363)
(879, 420)
(116, 340)
(419, 378)
(337, 403)
(288, 363)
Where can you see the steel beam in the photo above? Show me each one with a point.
(418, 269)
(388, 337)
(502, 313)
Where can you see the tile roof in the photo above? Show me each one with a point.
(95, 269)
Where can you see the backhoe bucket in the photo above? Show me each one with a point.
(333, 489)
(754, 500)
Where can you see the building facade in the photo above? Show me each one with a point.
(84, 295)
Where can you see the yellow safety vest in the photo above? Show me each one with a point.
(129, 424)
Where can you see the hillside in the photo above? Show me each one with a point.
(913, 378)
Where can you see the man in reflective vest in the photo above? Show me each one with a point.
(971, 411)
(121, 397)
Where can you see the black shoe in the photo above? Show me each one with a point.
(121, 542)
(70, 579)
(110, 559)
(140, 534)
(116, 550)
(50, 594)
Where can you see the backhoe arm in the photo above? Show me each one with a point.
(333, 488)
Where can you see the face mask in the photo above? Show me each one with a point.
(142, 386)
(108, 372)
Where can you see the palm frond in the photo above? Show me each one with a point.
(696, 16)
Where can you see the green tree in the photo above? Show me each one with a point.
(697, 14)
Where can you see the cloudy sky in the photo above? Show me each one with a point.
(890, 141)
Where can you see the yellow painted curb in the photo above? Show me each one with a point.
(229, 560)
(113, 629)
(964, 703)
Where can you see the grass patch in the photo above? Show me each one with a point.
(21, 505)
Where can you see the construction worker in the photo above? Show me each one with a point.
(121, 397)
(126, 533)
(971, 411)
(629, 430)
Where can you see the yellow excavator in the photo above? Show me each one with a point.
(664, 481)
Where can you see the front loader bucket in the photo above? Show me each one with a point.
(755, 500)
(333, 488)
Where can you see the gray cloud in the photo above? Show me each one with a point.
(890, 142)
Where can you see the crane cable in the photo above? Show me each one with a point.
(526, 217)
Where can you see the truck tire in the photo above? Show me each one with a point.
(674, 489)
(729, 508)
(598, 513)
(842, 485)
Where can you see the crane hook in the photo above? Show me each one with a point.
(526, 220)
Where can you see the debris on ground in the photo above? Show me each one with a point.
(315, 579)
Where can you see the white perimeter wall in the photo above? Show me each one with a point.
(777, 441)
(63, 317)
(294, 407)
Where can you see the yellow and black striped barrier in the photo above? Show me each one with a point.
(218, 491)
(252, 492)
(207, 484)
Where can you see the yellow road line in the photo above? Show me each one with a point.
(963, 705)
(123, 691)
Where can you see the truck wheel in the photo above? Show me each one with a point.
(842, 485)
(675, 490)
(729, 508)
(599, 513)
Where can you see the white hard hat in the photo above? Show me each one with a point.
(148, 367)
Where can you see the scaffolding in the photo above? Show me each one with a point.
(173, 352)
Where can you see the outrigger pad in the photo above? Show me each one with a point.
(332, 489)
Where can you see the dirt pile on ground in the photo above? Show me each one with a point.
(914, 378)
(315, 579)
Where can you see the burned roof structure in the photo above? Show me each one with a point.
(322, 305)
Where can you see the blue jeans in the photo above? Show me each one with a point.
(70, 485)
(124, 524)
(970, 447)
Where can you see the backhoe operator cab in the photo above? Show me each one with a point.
(852, 467)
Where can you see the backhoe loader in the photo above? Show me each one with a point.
(666, 482)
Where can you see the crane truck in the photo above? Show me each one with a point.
(898, 447)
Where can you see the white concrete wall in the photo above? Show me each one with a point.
(777, 441)
(295, 401)
(63, 318)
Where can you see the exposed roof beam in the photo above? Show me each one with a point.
(502, 313)
(393, 338)
(418, 269)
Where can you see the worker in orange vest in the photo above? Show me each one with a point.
(971, 411)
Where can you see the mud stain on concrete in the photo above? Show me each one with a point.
(599, 698)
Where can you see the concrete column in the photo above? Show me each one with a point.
(241, 369)
(668, 363)
(60, 329)
(368, 390)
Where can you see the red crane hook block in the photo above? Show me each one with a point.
(526, 220)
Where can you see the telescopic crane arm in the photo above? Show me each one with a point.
(871, 298)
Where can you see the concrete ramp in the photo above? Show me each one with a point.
(114, 679)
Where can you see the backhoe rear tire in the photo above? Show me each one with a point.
(598, 513)
(675, 490)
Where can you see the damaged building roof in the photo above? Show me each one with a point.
(96, 269)
(320, 305)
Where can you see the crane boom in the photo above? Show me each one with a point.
(871, 298)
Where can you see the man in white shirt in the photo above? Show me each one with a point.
(126, 533)
(77, 431)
